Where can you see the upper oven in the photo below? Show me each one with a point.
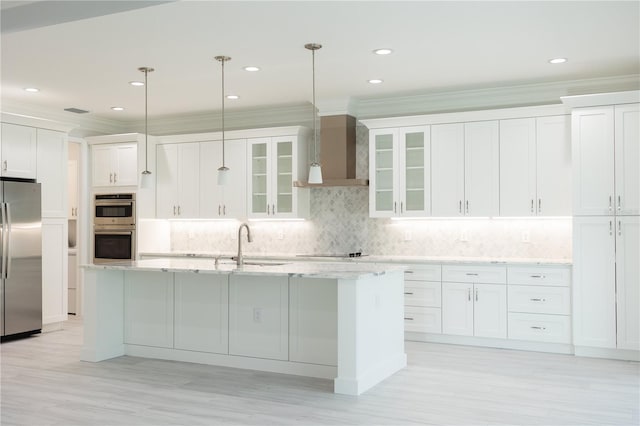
(115, 209)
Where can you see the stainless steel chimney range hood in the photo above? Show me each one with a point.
(337, 153)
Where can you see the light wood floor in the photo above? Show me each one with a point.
(43, 383)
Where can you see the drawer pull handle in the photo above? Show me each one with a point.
(537, 276)
(538, 300)
(406, 292)
(472, 274)
(408, 319)
(535, 327)
(408, 272)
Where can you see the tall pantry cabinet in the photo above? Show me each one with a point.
(606, 226)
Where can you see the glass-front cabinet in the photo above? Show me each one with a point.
(399, 172)
(274, 164)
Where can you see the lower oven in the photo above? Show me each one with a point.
(111, 244)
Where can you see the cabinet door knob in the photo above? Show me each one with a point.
(610, 228)
(619, 204)
(460, 206)
(4, 165)
(224, 210)
(408, 319)
(469, 294)
(408, 293)
(467, 206)
(619, 227)
(532, 205)
(610, 205)
(535, 327)
(110, 177)
(218, 209)
(395, 207)
(115, 178)
(538, 300)
(539, 205)
(174, 210)
(178, 210)
(476, 294)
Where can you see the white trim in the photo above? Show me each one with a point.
(598, 99)
(467, 116)
(121, 137)
(522, 345)
(41, 123)
(621, 354)
(233, 361)
(236, 134)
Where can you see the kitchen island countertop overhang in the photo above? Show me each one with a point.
(331, 320)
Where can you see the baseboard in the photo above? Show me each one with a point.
(619, 354)
(52, 326)
(559, 348)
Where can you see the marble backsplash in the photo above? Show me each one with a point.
(340, 223)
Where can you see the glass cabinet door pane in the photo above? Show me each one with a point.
(384, 172)
(414, 171)
(259, 178)
(284, 177)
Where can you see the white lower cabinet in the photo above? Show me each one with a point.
(148, 308)
(474, 300)
(259, 316)
(423, 299)
(541, 328)
(202, 313)
(474, 309)
(54, 270)
(313, 321)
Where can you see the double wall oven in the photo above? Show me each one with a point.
(114, 227)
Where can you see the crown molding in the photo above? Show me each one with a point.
(79, 125)
(496, 97)
(598, 99)
(210, 121)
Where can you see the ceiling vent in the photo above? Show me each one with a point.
(76, 110)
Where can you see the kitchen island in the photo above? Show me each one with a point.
(331, 320)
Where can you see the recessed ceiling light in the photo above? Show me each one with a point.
(233, 97)
(557, 60)
(136, 83)
(375, 81)
(384, 51)
(117, 108)
(251, 69)
(31, 89)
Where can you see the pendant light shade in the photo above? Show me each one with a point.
(146, 178)
(223, 171)
(315, 171)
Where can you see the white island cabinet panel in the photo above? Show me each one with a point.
(259, 316)
(148, 308)
(201, 312)
(313, 307)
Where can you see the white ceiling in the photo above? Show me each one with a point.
(438, 46)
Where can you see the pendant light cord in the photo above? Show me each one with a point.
(315, 133)
(146, 121)
(223, 165)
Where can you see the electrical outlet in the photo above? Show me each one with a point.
(407, 235)
(526, 237)
(257, 314)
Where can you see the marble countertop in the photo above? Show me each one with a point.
(202, 264)
(372, 259)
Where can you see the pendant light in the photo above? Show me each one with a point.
(223, 171)
(315, 171)
(145, 181)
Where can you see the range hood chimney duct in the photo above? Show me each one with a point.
(337, 152)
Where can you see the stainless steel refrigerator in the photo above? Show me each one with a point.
(20, 257)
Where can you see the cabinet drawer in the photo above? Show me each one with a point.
(539, 299)
(422, 320)
(422, 293)
(474, 274)
(528, 275)
(540, 327)
(423, 273)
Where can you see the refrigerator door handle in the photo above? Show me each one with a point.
(7, 253)
(3, 236)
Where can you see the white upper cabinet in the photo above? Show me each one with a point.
(223, 201)
(115, 164)
(52, 172)
(400, 172)
(178, 180)
(72, 185)
(593, 160)
(465, 169)
(627, 159)
(481, 169)
(274, 164)
(535, 166)
(447, 169)
(18, 151)
(606, 146)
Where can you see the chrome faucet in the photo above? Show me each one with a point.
(239, 258)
